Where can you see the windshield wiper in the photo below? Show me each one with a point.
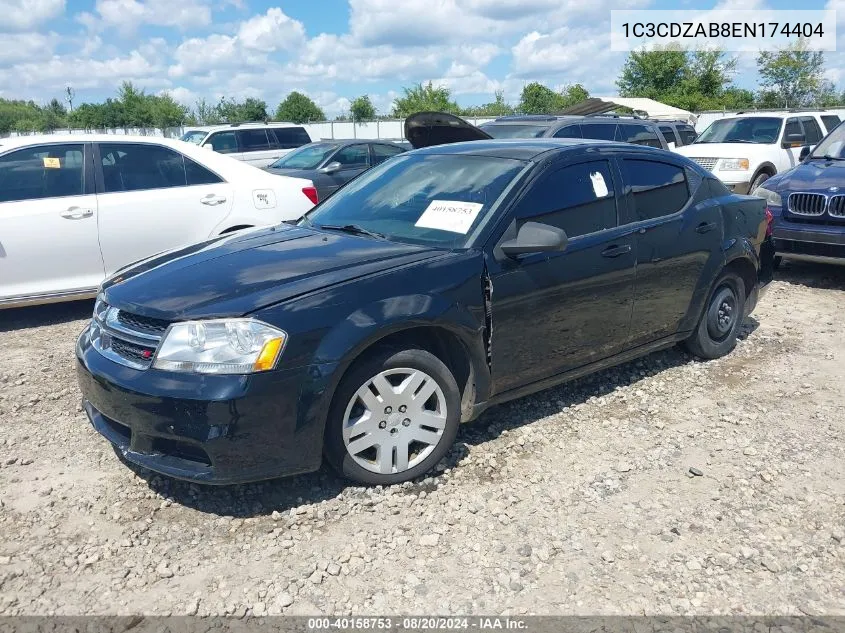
(354, 229)
(825, 157)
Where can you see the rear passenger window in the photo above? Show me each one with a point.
(137, 166)
(812, 131)
(601, 131)
(352, 156)
(657, 188)
(578, 199)
(570, 131)
(198, 175)
(830, 121)
(669, 134)
(47, 171)
(252, 140)
(639, 135)
(687, 134)
(382, 152)
(291, 137)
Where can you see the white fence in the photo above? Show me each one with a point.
(387, 129)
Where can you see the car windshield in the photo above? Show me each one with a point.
(305, 157)
(765, 130)
(430, 199)
(194, 136)
(833, 145)
(515, 131)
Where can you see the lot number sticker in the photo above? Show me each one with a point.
(52, 163)
(599, 186)
(449, 215)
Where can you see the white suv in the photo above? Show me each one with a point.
(258, 144)
(744, 151)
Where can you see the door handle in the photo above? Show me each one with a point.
(212, 200)
(616, 250)
(705, 227)
(75, 213)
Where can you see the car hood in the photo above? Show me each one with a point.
(814, 175)
(245, 271)
(722, 150)
(307, 174)
(425, 129)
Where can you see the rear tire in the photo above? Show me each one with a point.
(394, 416)
(715, 335)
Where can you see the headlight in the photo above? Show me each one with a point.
(733, 164)
(220, 346)
(771, 197)
(100, 308)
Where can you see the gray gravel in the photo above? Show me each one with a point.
(665, 486)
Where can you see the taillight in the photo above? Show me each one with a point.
(770, 219)
(311, 192)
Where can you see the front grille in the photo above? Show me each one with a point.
(807, 204)
(707, 163)
(136, 353)
(142, 323)
(126, 338)
(836, 206)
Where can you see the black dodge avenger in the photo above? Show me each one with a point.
(441, 282)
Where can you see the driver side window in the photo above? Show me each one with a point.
(578, 199)
(352, 156)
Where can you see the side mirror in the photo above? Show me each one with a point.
(208, 146)
(534, 237)
(793, 140)
(805, 151)
(331, 168)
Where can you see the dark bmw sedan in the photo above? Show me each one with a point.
(442, 282)
(808, 204)
(331, 164)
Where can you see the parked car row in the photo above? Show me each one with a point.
(433, 285)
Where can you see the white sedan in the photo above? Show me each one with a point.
(76, 208)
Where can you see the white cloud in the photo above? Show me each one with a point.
(182, 95)
(20, 15)
(127, 15)
(18, 47)
(272, 31)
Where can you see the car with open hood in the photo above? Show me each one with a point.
(808, 204)
(441, 282)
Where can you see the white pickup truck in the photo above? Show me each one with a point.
(745, 150)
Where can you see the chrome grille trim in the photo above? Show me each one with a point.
(807, 204)
(707, 163)
(836, 206)
(106, 326)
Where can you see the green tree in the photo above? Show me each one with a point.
(232, 111)
(299, 108)
(206, 114)
(362, 109)
(424, 98)
(539, 99)
(652, 73)
(166, 112)
(498, 107)
(572, 94)
(793, 73)
(135, 106)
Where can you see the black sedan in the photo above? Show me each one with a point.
(442, 282)
(330, 164)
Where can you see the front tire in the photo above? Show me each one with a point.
(759, 180)
(394, 416)
(715, 335)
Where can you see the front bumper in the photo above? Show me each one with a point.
(204, 428)
(736, 186)
(812, 243)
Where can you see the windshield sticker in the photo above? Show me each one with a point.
(52, 163)
(599, 186)
(449, 215)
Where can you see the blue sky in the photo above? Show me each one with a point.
(333, 50)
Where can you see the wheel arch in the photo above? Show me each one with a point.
(765, 167)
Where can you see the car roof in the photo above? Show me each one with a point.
(776, 115)
(237, 126)
(523, 149)
(41, 139)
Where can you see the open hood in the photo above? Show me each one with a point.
(425, 129)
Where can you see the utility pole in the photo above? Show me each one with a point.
(70, 93)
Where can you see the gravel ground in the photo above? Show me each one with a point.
(665, 486)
